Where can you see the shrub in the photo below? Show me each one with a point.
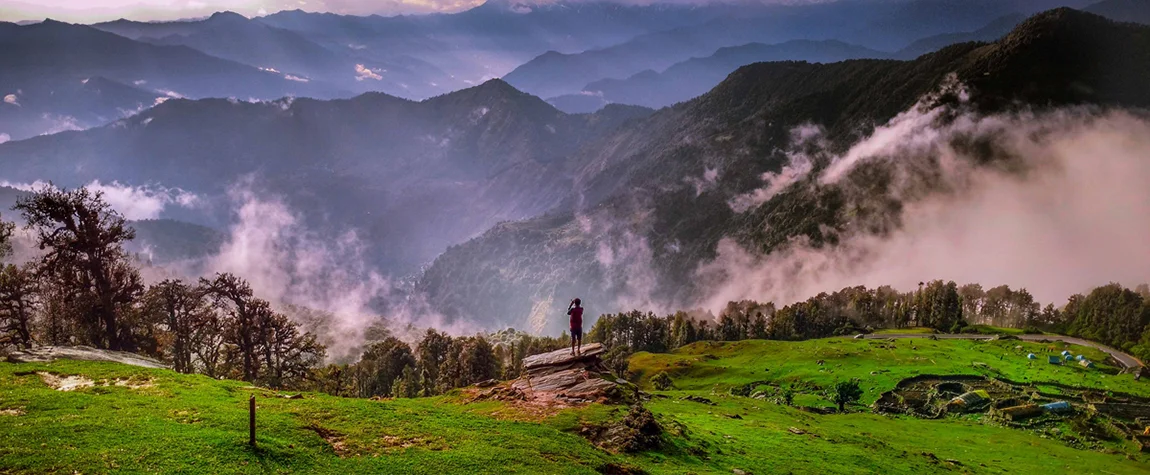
(662, 382)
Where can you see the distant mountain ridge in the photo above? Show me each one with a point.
(58, 76)
(691, 78)
(1137, 11)
(991, 32)
(632, 204)
(231, 36)
(882, 26)
(413, 177)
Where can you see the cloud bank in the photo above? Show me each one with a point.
(286, 262)
(90, 11)
(1059, 205)
(133, 202)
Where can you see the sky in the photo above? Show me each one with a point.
(90, 11)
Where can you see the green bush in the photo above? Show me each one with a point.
(662, 382)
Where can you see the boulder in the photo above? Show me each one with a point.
(563, 358)
(561, 376)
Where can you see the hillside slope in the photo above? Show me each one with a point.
(136, 419)
(883, 26)
(410, 177)
(692, 78)
(49, 68)
(654, 200)
(230, 36)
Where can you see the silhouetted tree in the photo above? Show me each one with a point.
(6, 229)
(17, 305)
(83, 237)
(181, 309)
(241, 313)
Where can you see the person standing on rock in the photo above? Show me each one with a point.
(575, 310)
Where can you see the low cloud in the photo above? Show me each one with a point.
(60, 123)
(133, 202)
(1058, 205)
(362, 72)
(286, 262)
(706, 182)
(290, 77)
(12, 99)
(5, 138)
(806, 142)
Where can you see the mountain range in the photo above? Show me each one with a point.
(321, 55)
(882, 26)
(413, 177)
(501, 205)
(692, 78)
(652, 200)
(59, 76)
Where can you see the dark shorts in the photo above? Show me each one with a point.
(577, 333)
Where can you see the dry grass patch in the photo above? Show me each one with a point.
(74, 382)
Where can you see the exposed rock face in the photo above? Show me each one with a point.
(48, 354)
(562, 357)
(562, 377)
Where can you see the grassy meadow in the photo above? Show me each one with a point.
(158, 421)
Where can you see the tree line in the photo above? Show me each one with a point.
(1111, 314)
(436, 364)
(85, 289)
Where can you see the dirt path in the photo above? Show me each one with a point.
(1123, 359)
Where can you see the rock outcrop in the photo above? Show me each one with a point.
(48, 354)
(562, 377)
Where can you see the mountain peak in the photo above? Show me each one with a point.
(497, 85)
(227, 16)
(1057, 18)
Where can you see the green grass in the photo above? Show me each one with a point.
(195, 424)
(992, 330)
(192, 424)
(880, 364)
(905, 331)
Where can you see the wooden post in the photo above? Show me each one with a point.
(252, 420)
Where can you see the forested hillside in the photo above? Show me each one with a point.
(410, 177)
(656, 199)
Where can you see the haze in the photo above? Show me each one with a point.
(91, 11)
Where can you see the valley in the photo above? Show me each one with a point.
(575, 236)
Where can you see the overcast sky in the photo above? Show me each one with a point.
(88, 11)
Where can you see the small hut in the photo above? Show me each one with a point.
(1080, 357)
(1059, 406)
(1086, 363)
(971, 401)
(1031, 356)
(1054, 360)
(1065, 353)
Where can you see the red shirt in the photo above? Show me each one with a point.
(576, 317)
